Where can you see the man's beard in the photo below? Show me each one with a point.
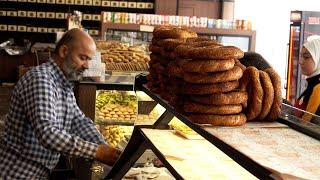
(71, 71)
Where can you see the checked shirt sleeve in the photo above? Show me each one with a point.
(84, 127)
(39, 98)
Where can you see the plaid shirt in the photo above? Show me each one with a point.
(44, 121)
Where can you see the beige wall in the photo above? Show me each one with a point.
(271, 19)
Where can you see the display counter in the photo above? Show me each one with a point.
(286, 148)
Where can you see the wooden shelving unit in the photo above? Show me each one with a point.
(39, 20)
(106, 26)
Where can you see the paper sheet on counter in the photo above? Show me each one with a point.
(276, 146)
(196, 159)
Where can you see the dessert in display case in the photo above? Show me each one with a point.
(122, 57)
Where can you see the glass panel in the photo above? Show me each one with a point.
(240, 42)
(300, 116)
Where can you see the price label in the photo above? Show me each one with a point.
(146, 28)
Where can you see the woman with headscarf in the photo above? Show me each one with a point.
(310, 66)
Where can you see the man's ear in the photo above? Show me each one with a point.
(63, 51)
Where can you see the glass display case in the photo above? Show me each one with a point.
(142, 34)
(287, 148)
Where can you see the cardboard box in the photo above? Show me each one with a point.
(22, 13)
(52, 30)
(87, 17)
(132, 5)
(96, 17)
(60, 1)
(42, 30)
(78, 2)
(50, 15)
(31, 29)
(66, 15)
(22, 28)
(3, 27)
(115, 4)
(41, 1)
(141, 5)
(60, 16)
(106, 3)
(88, 2)
(3, 13)
(32, 14)
(51, 1)
(41, 14)
(12, 13)
(93, 32)
(123, 4)
(149, 5)
(70, 2)
(12, 27)
(96, 3)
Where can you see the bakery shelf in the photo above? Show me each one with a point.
(251, 35)
(143, 28)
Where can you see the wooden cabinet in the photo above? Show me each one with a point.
(200, 8)
(166, 7)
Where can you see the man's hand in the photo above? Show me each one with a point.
(107, 154)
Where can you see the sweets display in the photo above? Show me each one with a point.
(114, 134)
(116, 105)
(205, 80)
(119, 56)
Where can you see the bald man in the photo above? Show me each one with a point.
(44, 119)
